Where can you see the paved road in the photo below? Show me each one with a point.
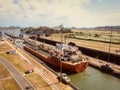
(23, 83)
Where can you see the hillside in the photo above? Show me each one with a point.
(9, 28)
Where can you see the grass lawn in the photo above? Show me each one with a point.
(10, 84)
(3, 72)
(22, 66)
(98, 35)
(4, 47)
(17, 61)
(6, 80)
(38, 82)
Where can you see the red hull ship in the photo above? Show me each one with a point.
(71, 66)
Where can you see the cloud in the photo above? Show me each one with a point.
(35, 8)
(27, 0)
(0, 6)
(100, 0)
(52, 12)
(15, 1)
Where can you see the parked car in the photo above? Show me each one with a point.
(29, 71)
(11, 52)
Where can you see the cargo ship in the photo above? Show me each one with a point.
(67, 56)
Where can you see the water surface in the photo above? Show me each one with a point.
(93, 79)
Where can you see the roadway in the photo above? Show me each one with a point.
(50, 79)
(22, 82)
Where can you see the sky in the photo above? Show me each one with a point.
(51, 13)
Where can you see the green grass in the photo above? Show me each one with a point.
(16, 61)
(6, 80)
(10, 84)
(96, 35)
(3, 72)
(38, 82)
(4, 47)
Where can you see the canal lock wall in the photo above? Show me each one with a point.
(113, 58)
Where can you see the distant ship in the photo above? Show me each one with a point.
(67, 56)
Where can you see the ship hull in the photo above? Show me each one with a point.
(79, 67)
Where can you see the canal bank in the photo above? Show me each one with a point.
(93, 79)
(93, 62)
(44, 72)
(96, 63)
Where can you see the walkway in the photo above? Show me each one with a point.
(23, 83)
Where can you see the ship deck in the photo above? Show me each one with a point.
(46, 54)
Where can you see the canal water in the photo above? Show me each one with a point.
(91, 79)
(14, 32)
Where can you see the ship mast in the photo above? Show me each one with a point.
(61, 29)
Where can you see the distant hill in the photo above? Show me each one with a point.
(10, 28)
(108, 28)
(116, 28)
